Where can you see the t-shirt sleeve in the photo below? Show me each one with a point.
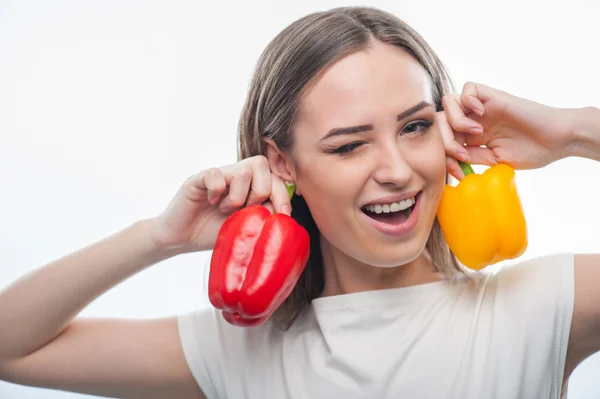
(200, 341)
(536, 300)
(220, 356)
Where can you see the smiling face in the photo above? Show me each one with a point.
(366, 146)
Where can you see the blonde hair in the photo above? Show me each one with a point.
(288, 65)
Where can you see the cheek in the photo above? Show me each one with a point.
(330, 181)
(438, 162)
(435, 166)
(436, 172)
(429, 161)
(330, 188)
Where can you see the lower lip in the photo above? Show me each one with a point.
(401, 228)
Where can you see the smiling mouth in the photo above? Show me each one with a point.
(392, 213)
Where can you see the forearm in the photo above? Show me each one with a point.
(37, 307)
(585, 134)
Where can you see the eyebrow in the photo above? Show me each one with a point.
(365, 128)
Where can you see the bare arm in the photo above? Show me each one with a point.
(585, 133)
(584, 339)
(40, 345)
(527, 135)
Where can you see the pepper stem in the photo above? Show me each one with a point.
(466, 168)
(291, 187)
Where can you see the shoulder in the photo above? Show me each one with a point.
(532, 305)
(528, 292)
(533, 295)
(537, 279)
(208, 323)
(206, 331)
(216, 351)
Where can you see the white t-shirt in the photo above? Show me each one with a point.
(503, 337)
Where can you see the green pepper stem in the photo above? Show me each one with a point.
(466, 168)
(291, 187)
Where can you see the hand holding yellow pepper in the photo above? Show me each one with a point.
(482, 218)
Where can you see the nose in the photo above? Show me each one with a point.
(392, 168)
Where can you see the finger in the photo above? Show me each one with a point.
(461, 138)
(476, 140)
(215, 185)
(260, 186)
(453, 168)
(211, 181)
(279, 196)
(269, 206)
(470, 98)
(457, 118)
(238, 189)
(453, 147)
(482, 156)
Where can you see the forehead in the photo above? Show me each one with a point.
(380, 81)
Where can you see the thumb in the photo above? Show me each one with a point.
(454, 169)
(269, 206)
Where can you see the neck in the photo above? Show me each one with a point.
(344, 275)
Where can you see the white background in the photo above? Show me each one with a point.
(107, 106)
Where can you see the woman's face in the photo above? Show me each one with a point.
(367, 146)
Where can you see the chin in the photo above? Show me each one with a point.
(380, 253)
(389, 255)
(390, 250)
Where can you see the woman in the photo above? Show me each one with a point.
(354, 107)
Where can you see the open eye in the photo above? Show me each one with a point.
(417, 127)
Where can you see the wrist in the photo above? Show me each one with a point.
(584, 133)
(154, 250)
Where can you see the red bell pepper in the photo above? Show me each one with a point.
(256, 261)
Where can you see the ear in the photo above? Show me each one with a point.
(280, 163)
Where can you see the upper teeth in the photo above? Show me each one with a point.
(392, 207)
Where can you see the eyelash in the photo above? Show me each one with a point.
(347, 148)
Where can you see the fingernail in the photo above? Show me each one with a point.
(476, 130)
(476, 106)
(463, 155)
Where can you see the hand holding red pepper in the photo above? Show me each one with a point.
(257, 256)
(194, 216)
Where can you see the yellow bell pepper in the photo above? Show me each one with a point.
(482, 218)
